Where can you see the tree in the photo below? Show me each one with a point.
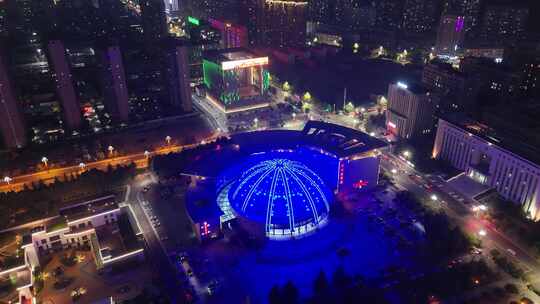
(320, 285)
(340, 280)
(274, 297)
(290, 293)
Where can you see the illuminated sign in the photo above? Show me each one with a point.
(193, 20)
(460, 22)
(402, 85)
(360, 184)
(244, 63)
(392, 125)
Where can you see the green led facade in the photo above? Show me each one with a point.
(234, 87)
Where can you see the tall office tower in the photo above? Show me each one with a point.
(410, 110)
(388, 14)
(171, 6)
(452, 90)
(64, 85)
(354, 15)
(115, 92)
(3, 19)
(177, 75)
(285, 23)
(321, 11)
(469, 9)
(450, 35)
(11, 120)
(420, 16)
(251, 13)
(154, 21)
(503, 24)
(232, 35)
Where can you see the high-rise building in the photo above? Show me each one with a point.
(251, 13)
(469, 9)
(450, 35)
(232, 35)
(499, 161)
(154, 20)
(388, 14)
(452, 91)
(321, 11)
(115, 91)
(503, 24)
(3, 19)
(11, 121)
(284, 23)
(354, 15)
(498, 80)
(64, 85)
(410, 110)
(420, 16)
(177, 74)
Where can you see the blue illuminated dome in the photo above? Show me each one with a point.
(287, 196)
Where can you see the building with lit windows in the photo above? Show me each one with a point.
(452, 90)
(420, 16)
(280, 183)
(410, 110)
(236, 79)
(503, 24)
(12, 127)
(232, 35)
(65, 89)
(284, 23)
(450, 35)
(499, 161)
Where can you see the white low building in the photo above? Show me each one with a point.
(504, 164)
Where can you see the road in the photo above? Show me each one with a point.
(47, 176)
(154, 248)
(460, 214)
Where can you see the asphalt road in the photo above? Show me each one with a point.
(154, 249)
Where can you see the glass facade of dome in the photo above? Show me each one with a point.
(285, 195)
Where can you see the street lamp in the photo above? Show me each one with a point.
(111, 149)
(482, 232)
(294, 115)
(146, 153)
(406, 154)
(45, 161)
(433, 197)
(256, 121)
(168, 140)
(82, 165)
(394, 171)
(7, 179)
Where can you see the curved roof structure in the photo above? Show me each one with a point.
(284, 194)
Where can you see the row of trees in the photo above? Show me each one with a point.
(438, 228)
(342, 288)
(41, 200)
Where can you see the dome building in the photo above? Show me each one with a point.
(284, 195)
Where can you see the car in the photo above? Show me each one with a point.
(189, 272)
(145, 189)
(164, 238)
(183, 256)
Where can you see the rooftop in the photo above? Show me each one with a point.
(504, 139)
(339, 140)
(232, 54)
(89, 208)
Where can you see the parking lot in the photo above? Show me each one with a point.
(81, 281)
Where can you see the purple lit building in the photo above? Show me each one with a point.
(64, 85)
(114, 84)
(11, 121)
(450, 35)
